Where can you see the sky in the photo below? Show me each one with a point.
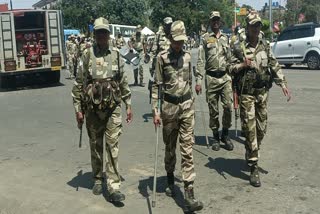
(256, 4)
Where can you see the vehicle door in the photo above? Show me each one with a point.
(282, 49)
(302, 42)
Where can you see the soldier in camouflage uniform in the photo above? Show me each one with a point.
(161, 42)
(255, 69)
(174, 79)
(214, 54)
(137, 42)
(119, 41)
(71, 51)
(97, 93)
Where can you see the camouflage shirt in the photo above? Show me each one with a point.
(173, 75)
(107, 60)
(119, 42)
(213, 55)
(138, 42)
(264, 67)
(160, 43)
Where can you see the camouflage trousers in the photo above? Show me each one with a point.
(219, 88)
(139, 69)
(70, 65)
(253, 113)
(106, 124)
(178, 123)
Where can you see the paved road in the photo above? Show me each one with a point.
(43, 170)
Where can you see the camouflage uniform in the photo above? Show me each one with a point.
(119, 42)
(173, 78)
(138, 43)
(71, 51)
(253, 84)
(212, 62)
(98, 90)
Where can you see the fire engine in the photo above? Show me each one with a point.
(31, 47)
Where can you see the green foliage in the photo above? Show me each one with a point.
(310, 8)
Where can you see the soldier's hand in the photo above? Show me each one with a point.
(80, 119)
(287, 93)
(129, 115)
(198, 89)
(157, 120)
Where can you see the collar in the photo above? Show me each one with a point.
(100, 51)
(213, 34)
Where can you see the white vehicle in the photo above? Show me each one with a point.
(31, 47)
(299, 44)
(125, 30)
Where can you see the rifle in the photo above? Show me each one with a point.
(156, 155)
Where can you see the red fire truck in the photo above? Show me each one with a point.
(31, 47)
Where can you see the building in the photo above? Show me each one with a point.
(44, 4)
(4, 7)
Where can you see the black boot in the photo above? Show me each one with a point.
(254, 176)
(97, 189)
(117, 196)
(216, 141)
(226, 140)
(191, 203)
(170, 188)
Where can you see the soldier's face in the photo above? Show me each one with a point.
(177, 45)
(254, 30)
(102, 37)
(215, 23)
(167, 28)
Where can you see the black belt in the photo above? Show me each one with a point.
(216, 74)
(175, 99)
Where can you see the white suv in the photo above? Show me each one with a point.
(299, 44)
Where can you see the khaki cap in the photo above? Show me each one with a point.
(101, 24)
(214, 14)
(167, 20)
(253, 18)
(178, 31)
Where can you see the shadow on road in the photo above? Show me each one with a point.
(31, 87)
(81, 180)
(233, 167)
(147, 117)
(147, 184)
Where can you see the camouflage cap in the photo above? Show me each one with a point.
(253, 18)
(178, 31)
(101, 24)
(138, 28)
(214, 14)
(167, 20)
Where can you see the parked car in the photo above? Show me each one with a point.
(299, 44)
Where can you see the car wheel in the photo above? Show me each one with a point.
(313, 61)
(287, 65)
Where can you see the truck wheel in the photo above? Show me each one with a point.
(313, 61)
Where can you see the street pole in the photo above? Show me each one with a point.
(235, 14)
(270, 19)
(11, 4)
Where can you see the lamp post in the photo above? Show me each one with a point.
(270, 19)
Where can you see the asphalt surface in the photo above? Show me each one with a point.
(43, 170)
